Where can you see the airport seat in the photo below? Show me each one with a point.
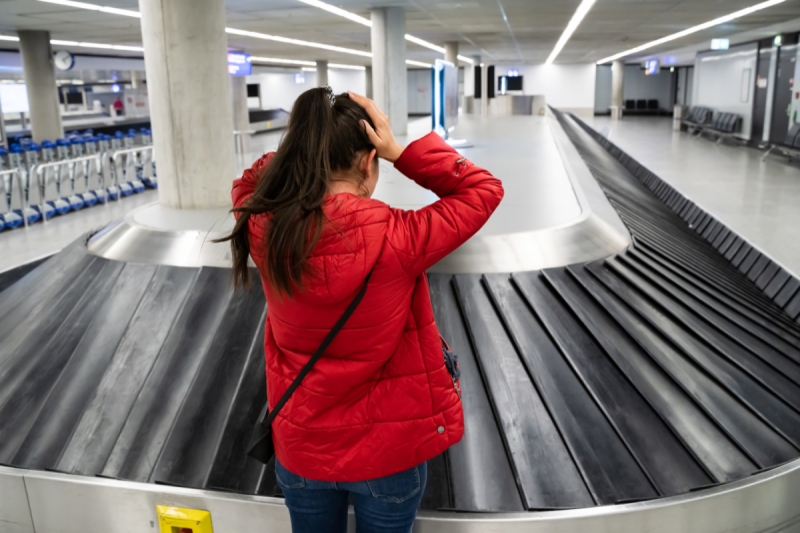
(641, 105)
(791, 138)
(630, 105)
(652, 105)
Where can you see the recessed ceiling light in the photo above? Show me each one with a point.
(418, 63)
(581, 12)
(694, 29)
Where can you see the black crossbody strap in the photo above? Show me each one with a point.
(314, 358)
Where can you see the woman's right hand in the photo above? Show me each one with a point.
(382, 137)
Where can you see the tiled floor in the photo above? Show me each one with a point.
(760, 201)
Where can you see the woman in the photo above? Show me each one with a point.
(380, 402)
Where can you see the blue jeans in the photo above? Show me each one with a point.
(387, 504)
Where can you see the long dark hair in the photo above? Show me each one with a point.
(324, 135)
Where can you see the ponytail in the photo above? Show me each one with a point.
(323, 135)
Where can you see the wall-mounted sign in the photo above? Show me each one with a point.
(239, 64)
(720, 44)
(115, 88)
(778, 40)
(512, 73)
(651, 67)
(14, 98)
(299, 78)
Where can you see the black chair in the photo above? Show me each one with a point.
(641, 105)
(652, 105)
(791, 135)
(630, 105)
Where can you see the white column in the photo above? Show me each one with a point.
(190, 101)
(40, 81)
(617, 89)
(241, 114)
(369, 93)
(451, 52)
(772, 78)
(389, 83)
(322, 73)
(137, 79)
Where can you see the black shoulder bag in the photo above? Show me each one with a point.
(261, 446)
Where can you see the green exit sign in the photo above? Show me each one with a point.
(778, 40)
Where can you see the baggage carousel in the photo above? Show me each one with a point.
(655, 388)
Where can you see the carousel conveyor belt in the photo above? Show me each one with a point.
(670, 367)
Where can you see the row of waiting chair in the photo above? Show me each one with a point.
(702, 120)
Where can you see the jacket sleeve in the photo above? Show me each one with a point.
(243, 187)
(468, 196)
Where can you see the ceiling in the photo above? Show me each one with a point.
(526, 35)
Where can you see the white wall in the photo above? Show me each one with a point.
(568, 87)
(420, 89)
(637, 86)
(640, 86)
(279, 90)
(721, 82)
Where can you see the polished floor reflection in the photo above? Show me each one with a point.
(758, 200)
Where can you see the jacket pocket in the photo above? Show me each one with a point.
(397, 487)
(287, 480)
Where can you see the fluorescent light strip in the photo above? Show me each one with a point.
(8, 38)
(57, 42)
(418, 63)
(694, 29)
(367, 22)
(346, 67)
(267, 37)
(104, 9)
(337, 11)
(426, 44)
(309, 69)
(581, 12)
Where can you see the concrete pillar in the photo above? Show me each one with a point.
(451, 52)
(40, 81)
(137, 79)
(389, 83)
(485, 91)
(369, 94)
(469, 76)
(189, 89)
(322, 73)
(617, 89)
(241, 114)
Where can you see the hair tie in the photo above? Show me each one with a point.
(331, 96)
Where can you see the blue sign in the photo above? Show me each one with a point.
(115, 88)
(651, 67)
(239, 64)
(512, 73)
(299, 78)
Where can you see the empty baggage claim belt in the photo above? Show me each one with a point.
(667, 375)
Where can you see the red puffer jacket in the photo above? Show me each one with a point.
(380, 400)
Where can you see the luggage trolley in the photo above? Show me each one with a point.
(11, 185)
(16, 189)
(126, 166)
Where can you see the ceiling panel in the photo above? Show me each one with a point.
(527, 35)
